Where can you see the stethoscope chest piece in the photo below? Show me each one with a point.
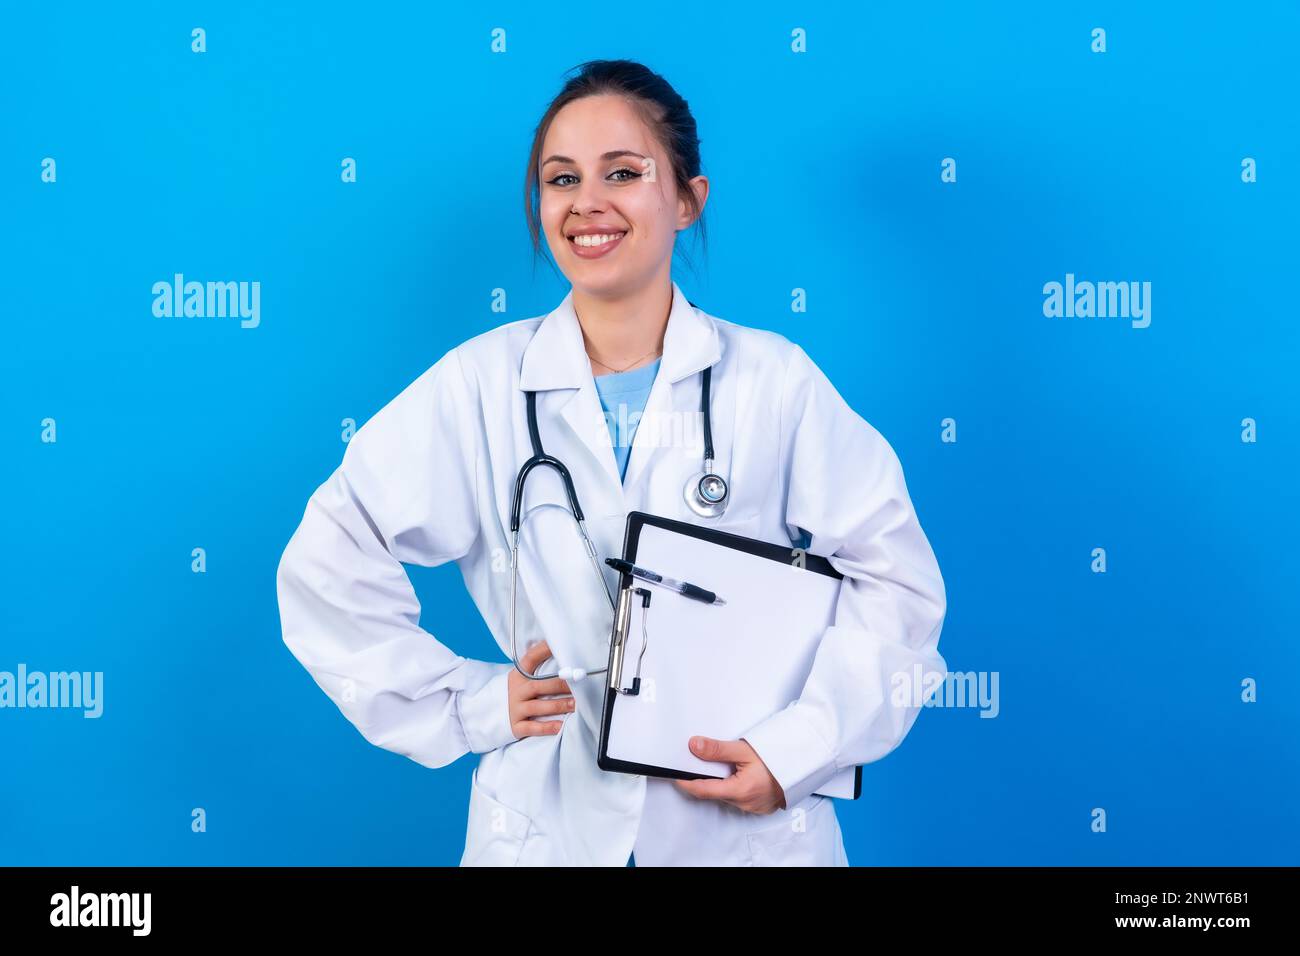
(706, 494)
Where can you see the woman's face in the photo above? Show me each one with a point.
(604, 177)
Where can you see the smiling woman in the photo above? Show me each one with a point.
(593, 399)
(610, 206)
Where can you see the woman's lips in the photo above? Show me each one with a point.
(595, 252)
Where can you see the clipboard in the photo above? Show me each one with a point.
(709, 669)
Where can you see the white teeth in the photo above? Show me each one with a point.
(599, 240)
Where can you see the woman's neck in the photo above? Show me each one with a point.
(626, 333)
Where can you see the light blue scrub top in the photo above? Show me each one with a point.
(623, 396)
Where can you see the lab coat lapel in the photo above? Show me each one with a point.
(691, 343)
(573, 609)
(556, 358)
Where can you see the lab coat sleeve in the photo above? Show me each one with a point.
(405, 492)
(846, 488)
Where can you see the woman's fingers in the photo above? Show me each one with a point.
(537, 728)
(534, 656)
(537, 698)
(532, 699)
(531, 660)
(554, 685)
(542, 707)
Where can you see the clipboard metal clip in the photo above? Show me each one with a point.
(618, 643)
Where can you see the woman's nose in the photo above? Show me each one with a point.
(589, 198)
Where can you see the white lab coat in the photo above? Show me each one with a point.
(428, 479)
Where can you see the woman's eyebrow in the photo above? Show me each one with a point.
(612, 154)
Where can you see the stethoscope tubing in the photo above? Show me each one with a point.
(541, 459)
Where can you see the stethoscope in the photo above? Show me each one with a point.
(705, 494)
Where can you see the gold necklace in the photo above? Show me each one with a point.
(624, 368)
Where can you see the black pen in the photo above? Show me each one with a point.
(681, 587)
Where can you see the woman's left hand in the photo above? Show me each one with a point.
(751, 787)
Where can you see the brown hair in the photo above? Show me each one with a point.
(661, 108)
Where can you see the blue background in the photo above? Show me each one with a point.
(1118, 690)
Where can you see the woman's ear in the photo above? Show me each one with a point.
(685, 217)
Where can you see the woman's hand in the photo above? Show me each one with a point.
(528, 700)
(751, 788)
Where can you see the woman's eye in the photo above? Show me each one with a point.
(631, 174)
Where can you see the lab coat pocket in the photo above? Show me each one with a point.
(806, 835)
(495, 833)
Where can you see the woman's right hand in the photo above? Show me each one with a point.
(527, 700)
